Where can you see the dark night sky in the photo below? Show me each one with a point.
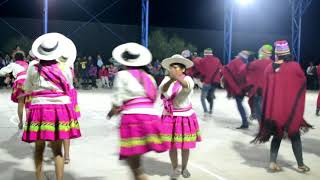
(199, 14)
(268, 16)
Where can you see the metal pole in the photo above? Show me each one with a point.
(228, 23)
(45, 16)
(145, 22)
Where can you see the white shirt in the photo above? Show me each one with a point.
(183, 97)
(13, 68)
(309, 71)
(34, 82)
(127, 88)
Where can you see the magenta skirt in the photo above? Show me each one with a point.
(139, 134)
(50, 123)
(17, 90)
(180, 132)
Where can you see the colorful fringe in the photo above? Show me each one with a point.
(180, 132)
(50, 123)
(139, 134)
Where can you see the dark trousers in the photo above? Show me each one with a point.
(93, 82)
(207, 94)
(257, 106)
(242, 111)
(296, 147)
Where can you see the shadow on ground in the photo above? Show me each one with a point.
(258, 156)
(155, 167)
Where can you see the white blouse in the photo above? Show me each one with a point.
(13, 68)
(127, 87)
(35, 82)
(182, 99)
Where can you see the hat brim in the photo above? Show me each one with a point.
(71, 50)
(144, 59)
(167, 62)
(54, 54)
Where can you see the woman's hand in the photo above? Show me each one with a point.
(114, 111)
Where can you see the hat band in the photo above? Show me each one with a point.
(46, 51)
(127, 56)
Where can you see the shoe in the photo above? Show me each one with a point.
(274, 167)
(317, 112)
(243, 127)
(175, 174)
(185, 173)
(303, 169)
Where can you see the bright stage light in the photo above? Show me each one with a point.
(244, 2)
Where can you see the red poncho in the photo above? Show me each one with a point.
(231, 77)
(283, 102)
(194, 71)
(210, 69)
(255, 76)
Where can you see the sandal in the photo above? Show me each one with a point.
(175, 174)
(274, 167)
(185, 173)
(66, 160)
(20, 125)
(303, 169)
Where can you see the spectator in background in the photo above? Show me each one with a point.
(7, 59)
(77, 72)
(99, 61)
(93, 75)
(112, 72)
(311, 76)
(2, 64)
(104, 77)
(84, 71)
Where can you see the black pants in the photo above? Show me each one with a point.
(296, 147)
(93, 82)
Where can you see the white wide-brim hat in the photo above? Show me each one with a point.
(132, 55)
(69, 53)
(48, 46)
(31, 54)
(176, 59)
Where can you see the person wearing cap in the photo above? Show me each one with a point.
(18, 70)
(181, 128)
(210, 75)
(255, 79)
(134, 99)
(283, 106)
(233, 80)
(194, 71)
(50, 117)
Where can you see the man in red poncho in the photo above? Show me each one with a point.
(255, 79)
(194, 71)
(210, 72)
(234, 83)
(283, 105)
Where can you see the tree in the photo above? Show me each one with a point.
(24, 43)
(163, 46)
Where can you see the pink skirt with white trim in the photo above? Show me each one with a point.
(50, 122)
(180, 132)
(139, 134)
(17, 90)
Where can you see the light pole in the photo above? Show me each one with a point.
(45, 16)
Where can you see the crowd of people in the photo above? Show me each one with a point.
(45, 85)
